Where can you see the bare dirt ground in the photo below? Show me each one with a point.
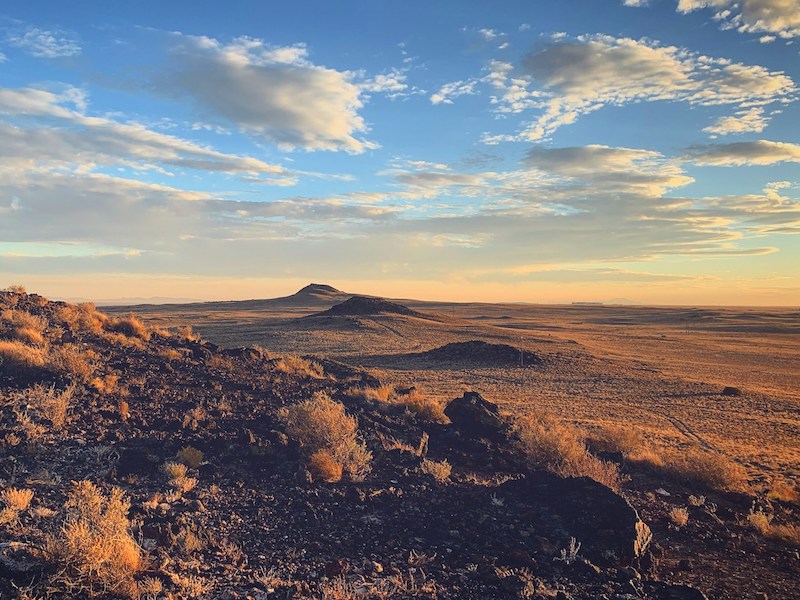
(658, 369)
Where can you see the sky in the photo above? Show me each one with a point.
(539, 151)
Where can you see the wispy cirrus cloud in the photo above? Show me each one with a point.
(45, 44)
(565, 79)
(272, 92)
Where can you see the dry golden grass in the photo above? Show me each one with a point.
(784, 492)
(131, 326)
(23, 326)
(49, 403)
(82, 317)
(185, 332)
(107, 384)
(423, 407)
(95, 551)
(124, 341)
(17, 357)
(679, 516)
(15, 288)
(298, 366)
(323, 424)
(191, 457)
(175, 470)
(223, 363)
(617, 438)
(324, 467)
(706, 469)
(547, 443)
(439, 470)
(17, 499)
(171, 354)
(73, 360)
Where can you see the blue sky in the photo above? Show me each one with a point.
(543, 151)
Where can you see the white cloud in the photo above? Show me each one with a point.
(744, 121)
(271, 92)
(45, 44)
(761, 152)
(568, 79)
(451, 90)
(78, 141)
(779, 17)
(3, 58)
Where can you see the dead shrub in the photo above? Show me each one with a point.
(547, 443)
(301, 367)
(185, 332)
(131, 326)
(17, 499)
(617, 438)
(416, 402)
(191, 457)
(73, 360)
(324, 467)
(23, 326)
(15, 288)
(17, 357)
(679, 516)
(83, 317)
(119, 339)
(323, 424)
(50, 403)
(94, 550)
(171, 354)
(707, 469)
(439, 470)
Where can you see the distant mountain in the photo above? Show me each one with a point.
(619, 301)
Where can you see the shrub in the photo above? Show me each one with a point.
(323, 466)
(296, 365)
(74, 361)
(17, 357)
(16, 499)
(95, 552)
(23, 326)
(50, 404)
(783, 491)
(131, 326)
(546, 443)
(421, 406)
(187, 334)
(322, 424)
(713, 471)
(15, 288)
(617, 438)
(191, 457)
(439, 470)
(82, 317)
(679, 516)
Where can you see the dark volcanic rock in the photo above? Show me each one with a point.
(667, 591)
(607, 526)
(731, 391)
(475, 416)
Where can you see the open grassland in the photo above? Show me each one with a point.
(659, 370)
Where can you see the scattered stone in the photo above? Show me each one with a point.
(474, 416)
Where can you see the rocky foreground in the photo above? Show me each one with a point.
(191, 471)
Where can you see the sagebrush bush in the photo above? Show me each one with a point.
(679, 516)
(191, 457)
(50, 403)
(439, 470)
(707, 469)
(617, 438)
(549, 444)
(131, 326)
(416, 402)
(323, 466)
(74, 361)
(17, 499)
(95, 552)
(82, 317)
(23, 326)
(323, 424)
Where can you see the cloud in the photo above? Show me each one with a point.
(744, 121)
(271, 92)
(50, 131)
(451, 90)
(566, 79)
(393, 84)
(626, 170)
(780, 17)
(761, 152)
(45, 44)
